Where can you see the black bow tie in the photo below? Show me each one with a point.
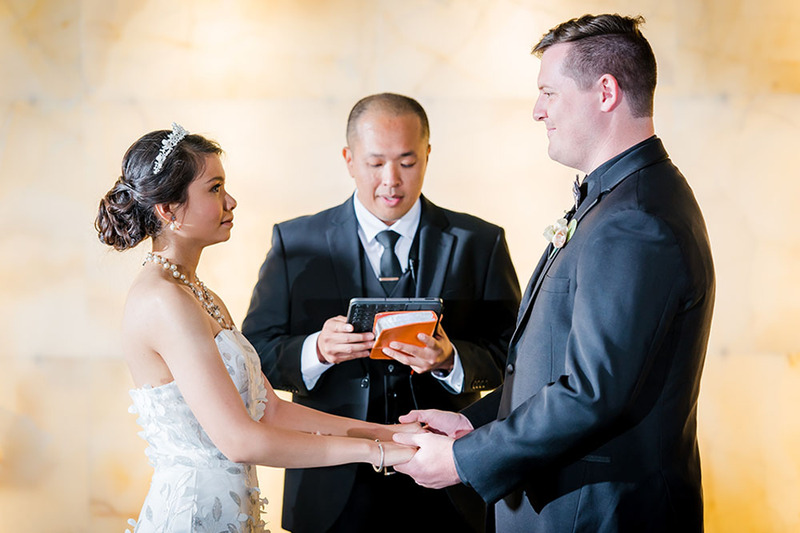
(579, 191)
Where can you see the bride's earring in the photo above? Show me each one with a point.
(173, 225)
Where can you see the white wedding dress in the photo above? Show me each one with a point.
(195, 487)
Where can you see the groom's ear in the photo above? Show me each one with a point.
(609, 92)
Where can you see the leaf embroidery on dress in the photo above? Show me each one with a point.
(217, 511)
(187, 491)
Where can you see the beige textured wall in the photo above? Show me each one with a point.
(273, 81)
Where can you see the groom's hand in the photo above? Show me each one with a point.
(433, 465)
(454, 425)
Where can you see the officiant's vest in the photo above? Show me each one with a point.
(406, 286)
(390, 392)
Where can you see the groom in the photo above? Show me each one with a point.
(594, 428)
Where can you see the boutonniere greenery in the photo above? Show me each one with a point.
(560, 233)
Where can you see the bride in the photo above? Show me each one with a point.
(207, 411)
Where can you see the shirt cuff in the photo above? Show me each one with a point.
(455, 379)
(310, 367)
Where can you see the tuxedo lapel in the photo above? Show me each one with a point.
(533, 288)
(545, 262)
(435, 247)
(526, 298)
(345, 251)
(649, 152)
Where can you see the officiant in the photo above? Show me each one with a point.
(386, 240)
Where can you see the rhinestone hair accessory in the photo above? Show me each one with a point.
(168, 145)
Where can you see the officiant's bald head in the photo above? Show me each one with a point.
(389, 103)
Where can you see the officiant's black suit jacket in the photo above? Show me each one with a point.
(594, 428)
(312, 270)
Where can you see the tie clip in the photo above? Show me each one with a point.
(388, 279)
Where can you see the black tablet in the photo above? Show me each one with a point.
(361, 311)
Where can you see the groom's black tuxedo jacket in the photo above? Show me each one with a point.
(594, 428)
(312, 270)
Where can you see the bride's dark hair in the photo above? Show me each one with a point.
(127, 212)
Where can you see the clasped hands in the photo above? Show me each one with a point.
(337, 343)
(432, 433)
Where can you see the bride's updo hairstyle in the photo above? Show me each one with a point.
(156, 169)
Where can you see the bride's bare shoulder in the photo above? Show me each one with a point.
(154, 300)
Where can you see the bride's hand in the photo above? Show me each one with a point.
(411, 427)
(454, 425)
(395, 454)
(385, 432)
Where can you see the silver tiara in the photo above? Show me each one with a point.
(168, 145)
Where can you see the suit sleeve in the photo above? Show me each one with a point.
(266, 325)
(491, 322)
(628, 283)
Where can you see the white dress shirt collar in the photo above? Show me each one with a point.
(371, 225)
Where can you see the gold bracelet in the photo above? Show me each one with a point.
(383, 456)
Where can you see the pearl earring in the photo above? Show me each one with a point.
(173, 225)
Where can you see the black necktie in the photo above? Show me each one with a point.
(390, 266)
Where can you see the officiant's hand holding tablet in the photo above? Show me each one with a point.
(401, 327)
(407, 330)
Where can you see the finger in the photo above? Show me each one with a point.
(419, 364)
(412, 428)
(409, 439)
(337, 324)
(412, 416)
(352, 356)
(407, 349)
(348, 343)
(412, 362)
(349, 338)
(403, 468)
(400, 357)
(341, 327)
(347, 353)
(353, 345)
(336, 353)
(417, 368)
(430, 342)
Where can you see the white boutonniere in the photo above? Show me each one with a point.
(560, 233)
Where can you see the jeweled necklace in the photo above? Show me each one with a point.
(199, 289)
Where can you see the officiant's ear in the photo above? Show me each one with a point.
(168, 216)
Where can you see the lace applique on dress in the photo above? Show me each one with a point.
(195, 488)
